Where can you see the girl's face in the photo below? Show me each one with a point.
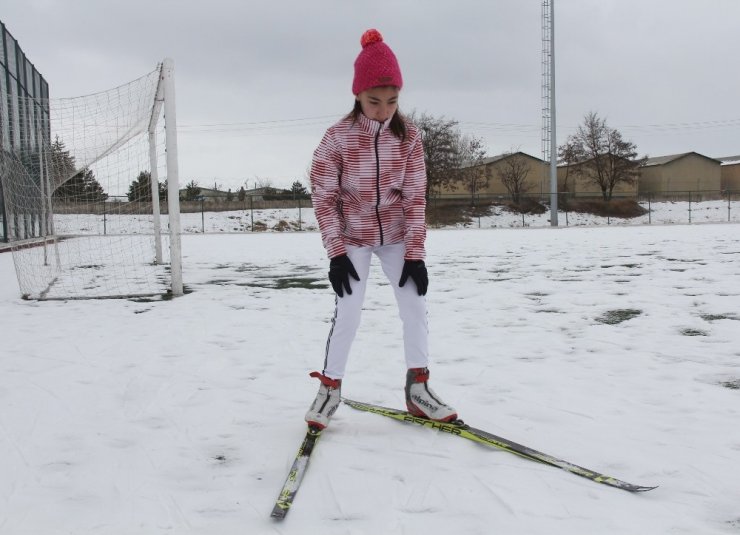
(379, 103)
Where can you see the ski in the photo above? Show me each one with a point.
(488, 439)
(295, 476)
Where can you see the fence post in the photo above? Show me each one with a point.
(105, 222)
(251, 210)
(202, 216)
(689, 207)
(650, 208)
(436, 210)
(729, 210)
(300, 227)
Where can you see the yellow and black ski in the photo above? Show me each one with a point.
(461, 429)
(295, 476)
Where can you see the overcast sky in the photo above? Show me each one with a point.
(258, 82)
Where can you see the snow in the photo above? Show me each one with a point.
(184, 416)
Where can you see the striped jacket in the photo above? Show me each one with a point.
(369, 187)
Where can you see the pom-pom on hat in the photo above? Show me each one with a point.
(376, 65)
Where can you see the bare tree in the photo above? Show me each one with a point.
(440, 137)
(259, 183)
(470, 171)
(605, 157)
(513, 173)
(569, 154)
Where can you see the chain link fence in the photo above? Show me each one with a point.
(584, 209)
(279, 213)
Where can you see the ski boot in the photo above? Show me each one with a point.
(327, 400)
(422, 401)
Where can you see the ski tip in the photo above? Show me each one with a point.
(629, 487)
(278, 513)
(638, 488)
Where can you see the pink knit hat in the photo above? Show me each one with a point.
(376, 65)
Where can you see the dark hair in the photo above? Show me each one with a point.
(397, 125)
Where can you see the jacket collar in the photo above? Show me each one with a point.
(371, 127)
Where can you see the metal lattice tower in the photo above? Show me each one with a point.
(549, 141)
(546, 41)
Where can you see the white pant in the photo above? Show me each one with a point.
(346, 320)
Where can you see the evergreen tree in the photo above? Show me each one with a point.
(61, 163)
(69, 184)
(192, 190)
(140, 190)
(298, 190)
(92, 190)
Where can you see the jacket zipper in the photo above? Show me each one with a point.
(377, 183)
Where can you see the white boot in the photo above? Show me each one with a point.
(422, 401)
(326, 402)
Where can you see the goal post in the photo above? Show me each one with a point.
(173, 186)
(83, 186)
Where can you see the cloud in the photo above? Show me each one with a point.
(636, 63)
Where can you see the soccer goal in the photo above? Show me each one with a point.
(91, 193)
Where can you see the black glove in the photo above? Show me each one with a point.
(418, 273)
(340, 268)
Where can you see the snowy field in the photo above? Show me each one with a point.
(615, 348)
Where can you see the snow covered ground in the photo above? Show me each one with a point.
(615, 348)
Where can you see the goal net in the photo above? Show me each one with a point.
(91, 193)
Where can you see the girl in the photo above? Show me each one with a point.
(368, 184)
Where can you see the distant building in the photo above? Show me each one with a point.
(730, 174)
(209, 194)
(686, 172)
(24, 107)
(536, 181)
(578, 179)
